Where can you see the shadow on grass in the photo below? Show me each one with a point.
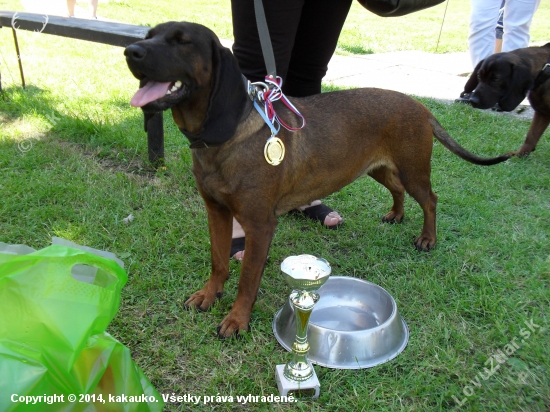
(103, 134)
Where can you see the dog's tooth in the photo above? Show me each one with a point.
(168, 92)
(178, 84)
(173, 89)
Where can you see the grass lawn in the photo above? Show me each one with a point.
(73, 164)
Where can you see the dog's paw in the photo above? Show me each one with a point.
(392, 217)
(525, 150)
(232, 325)
(424, 243)
(523, 153)
(202, 300)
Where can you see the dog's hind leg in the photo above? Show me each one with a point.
(219, 225)
(421, 190)
(258, 239)
(390, 179)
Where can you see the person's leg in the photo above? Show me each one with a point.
(483, 20)
(518, 15)
(93, 8)
(481, 34)
(70, 7)
(316, 40)
(499, 29)
(237, 248)
(283, 17)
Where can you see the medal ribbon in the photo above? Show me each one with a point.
(271, 93)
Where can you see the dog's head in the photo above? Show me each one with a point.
(183, 66)
(501, 78)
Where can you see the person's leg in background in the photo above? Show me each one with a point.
(518, 15)
(70, 7)
(499, 28)
(483, 20)
(481, 34)
(93, 8)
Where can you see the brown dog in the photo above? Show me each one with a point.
(506, 78)
(351, 133)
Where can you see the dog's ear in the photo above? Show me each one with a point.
(228, 98)
(473, 81)
(519, 85)
(228, 91)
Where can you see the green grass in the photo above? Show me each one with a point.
(73, 163)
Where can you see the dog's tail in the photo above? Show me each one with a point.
(451, 144)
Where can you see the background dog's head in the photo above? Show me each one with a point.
(183, 66)
(501, 78)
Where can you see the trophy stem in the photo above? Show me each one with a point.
(299, 368)
(304, 274)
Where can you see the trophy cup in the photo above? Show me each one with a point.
(304, 274)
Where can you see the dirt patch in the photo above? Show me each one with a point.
(115, 161)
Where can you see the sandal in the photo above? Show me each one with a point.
(237, 245)
(319, 214)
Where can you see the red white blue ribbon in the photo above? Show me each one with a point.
(267, 93)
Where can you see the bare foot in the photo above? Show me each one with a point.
(238, 232)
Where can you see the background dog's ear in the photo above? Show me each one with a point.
(520, 84)
(473, 81)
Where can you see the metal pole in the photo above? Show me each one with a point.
(18, 57)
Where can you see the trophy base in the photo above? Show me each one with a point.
(309, 388)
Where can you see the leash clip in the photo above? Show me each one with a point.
(546, 66)
(257, 90)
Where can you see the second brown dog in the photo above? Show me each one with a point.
(380, 133)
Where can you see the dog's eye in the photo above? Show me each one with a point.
(179, 37)
(183, 41)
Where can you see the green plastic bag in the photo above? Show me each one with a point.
(54, 352)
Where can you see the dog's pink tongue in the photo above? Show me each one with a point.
(148, 93)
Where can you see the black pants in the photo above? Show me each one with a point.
(303, 33)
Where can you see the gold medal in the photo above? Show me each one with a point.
(274, 151)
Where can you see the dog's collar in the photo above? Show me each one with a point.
(214, 135)
(202, 141)
(198, 141)
(543, 75)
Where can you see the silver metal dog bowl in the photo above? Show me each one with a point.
(354, 325)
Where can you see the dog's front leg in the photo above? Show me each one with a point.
(219, 225)
(258, 240)
(537, 128)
